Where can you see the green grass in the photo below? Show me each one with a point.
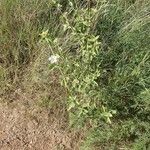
(117, 69)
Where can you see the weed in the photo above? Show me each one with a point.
(99, 49)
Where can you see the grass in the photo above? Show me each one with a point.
(121, 59)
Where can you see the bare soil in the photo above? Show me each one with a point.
(26, 126)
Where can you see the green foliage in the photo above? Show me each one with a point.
(119, 135)
(81, 69)
(106, 70)
(104, 62)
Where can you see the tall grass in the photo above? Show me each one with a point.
(21, 24)
(105, 59)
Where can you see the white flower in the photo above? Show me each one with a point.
(54, 58)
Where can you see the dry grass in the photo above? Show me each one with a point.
(32, 101)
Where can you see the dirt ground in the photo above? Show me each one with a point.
(26, 126)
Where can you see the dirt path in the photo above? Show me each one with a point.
(26, 127)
